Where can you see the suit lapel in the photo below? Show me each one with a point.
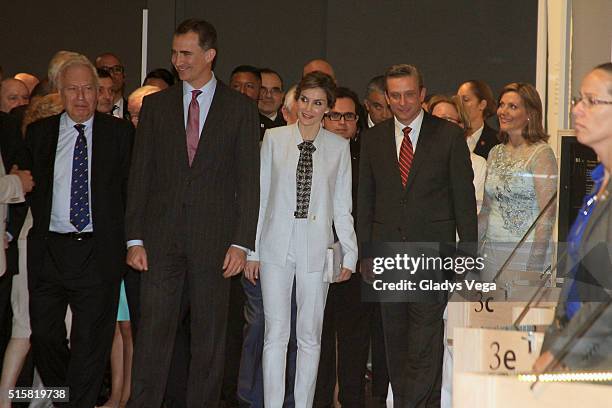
(422, 151)
(213, 120)
(390, 150)
(177, 119)
(53, 136)
(98, 146)
(293, 156)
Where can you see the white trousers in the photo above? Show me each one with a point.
(310, 293)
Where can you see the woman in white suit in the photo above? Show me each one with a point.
(305, 188)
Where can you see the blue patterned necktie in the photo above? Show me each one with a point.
(79, 187)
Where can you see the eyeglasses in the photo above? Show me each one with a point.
(589, 101)
(272, 91)
(336, 116)
(451, 119)
(115, 69)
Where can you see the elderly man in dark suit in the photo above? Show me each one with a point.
(76, 247)
(415, 185)
(192, 214)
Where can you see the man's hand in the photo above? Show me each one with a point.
(251, 271)
(27, 182)
(345, 274)
(542, 362)
(137, 258)
(234, 262)
(366, 269)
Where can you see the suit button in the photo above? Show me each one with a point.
(403, 201)
(404, 239)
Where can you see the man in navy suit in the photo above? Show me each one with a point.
(76, 247)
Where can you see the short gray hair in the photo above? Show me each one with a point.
(56, 63)
(376, 84)
(290, 98)
(76, 60)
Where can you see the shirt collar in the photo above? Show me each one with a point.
(598, 174)
(69, 123)
(208, 87)
(415, 124)
(370, 123)
(272, 116)
(298, 136)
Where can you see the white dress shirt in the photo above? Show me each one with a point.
(415, 127)
(370, 123)
(118, 113)
(62, 175)
(472, 140)
(272, 116)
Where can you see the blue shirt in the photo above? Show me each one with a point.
(62, 174)
(574, 238)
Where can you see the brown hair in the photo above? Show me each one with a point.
(482, 91)
(534, 131)
(454, 100)
(41, 107)
(318, 79)
(207, 35)
(403, 70)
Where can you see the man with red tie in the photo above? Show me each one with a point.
(193, 203)
(415, 185)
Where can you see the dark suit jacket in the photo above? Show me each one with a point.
(111, 151)
(219, 192)
(439, 196)
(487, 140)
(13, 150)
(267, 123)
(11, 141)
(126, 112)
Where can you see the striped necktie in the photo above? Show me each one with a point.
(405, 156)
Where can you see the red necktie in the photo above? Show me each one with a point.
(405, 156)
(193, 125)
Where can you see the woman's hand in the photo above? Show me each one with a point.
(251, 271)
(345, 274)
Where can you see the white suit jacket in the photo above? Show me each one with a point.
(330, 198)
(10, 192)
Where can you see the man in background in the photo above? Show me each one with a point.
(375, 102)
(271, 98)
(105, 91)
(113, 65)
(13, 93)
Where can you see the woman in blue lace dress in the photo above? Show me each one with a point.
(521, 180)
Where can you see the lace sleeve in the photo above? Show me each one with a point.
(485, 209)
(543, 167)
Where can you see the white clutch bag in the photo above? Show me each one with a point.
(333, 263)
